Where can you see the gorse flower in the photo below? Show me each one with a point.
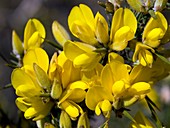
(118, 89)
(111, 66)
(27, 87)
(94, 31)
(153, 32)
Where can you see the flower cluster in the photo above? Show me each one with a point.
(111, 66)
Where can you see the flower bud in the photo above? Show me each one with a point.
(83, 121)
(56, 90)
(59, 32)
(42, 77)
(17, 44)
(65, 121)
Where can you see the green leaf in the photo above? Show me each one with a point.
(154, 114)
(127, 114)
(151, 102)
(163, 58)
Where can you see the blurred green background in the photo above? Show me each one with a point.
(13, 16)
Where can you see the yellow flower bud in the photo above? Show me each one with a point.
(65, 121)
(42, 77)
(17, 44)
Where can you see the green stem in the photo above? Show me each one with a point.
(56, 45)
(6, 86)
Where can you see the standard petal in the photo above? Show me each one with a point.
(117, 22)
(19, 77)
(159, 22)
(96, 94)
(32, 26)
(84, 32)
(87, 61)
(34, 41)
(132, 23)
(107, 75)
(74, 49)
(38, 56)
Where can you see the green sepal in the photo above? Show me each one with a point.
(42, 77)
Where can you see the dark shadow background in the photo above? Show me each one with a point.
(13, 16)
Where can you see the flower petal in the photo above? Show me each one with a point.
(59, 32)
(38, 56)
(96, 94)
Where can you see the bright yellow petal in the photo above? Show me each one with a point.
(119, 68)
(70, 109)
(132, 23)
(145, 58)
(22, 103)
(80, 21)
(77, 95)
(117, 22)
(59, 32)
(153, 37)
(32, 26)
(84, 32)
(38, 56)
(96, 94)
(118, 88)
(107, 75)
(139, 88)
(121, 18)
(78, 84)
(69, 74)
(159, 22)
(88, 15)
(87, 60)
(97, 109)
(19, 77)
(106, 106)
(34, 41)
(121, 38)
(114, 56)
(74, 49)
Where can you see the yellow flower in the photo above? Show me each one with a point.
(153, 32)
(94, 30)
(86, 27)
(34, 35)
(141, 121)
(122, 29)
(117, 89)
(28, 88)
(67, 87)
